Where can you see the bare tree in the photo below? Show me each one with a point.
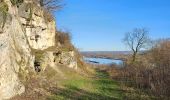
(136, 40)
(51, 5)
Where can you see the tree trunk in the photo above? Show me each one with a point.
(134, 56)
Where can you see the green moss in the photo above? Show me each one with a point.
(23, 76)
(4, 11)
(39, 56)
(39, 59)
(16, 2)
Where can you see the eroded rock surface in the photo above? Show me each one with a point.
(15, 56)
(39, 26)
(26, 33)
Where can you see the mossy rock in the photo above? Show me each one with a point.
(3, 13)
(17, 2)
(39, 56)
(3, 7)
(26, 11)
(23, 75)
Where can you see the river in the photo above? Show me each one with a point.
(103, 61)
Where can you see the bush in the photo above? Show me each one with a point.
(64, 39)
(51, 5)
(47, 16)
(150, 74)
(160, 74)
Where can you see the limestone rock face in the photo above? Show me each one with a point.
(16, 45)
(68, 59)
(15, 56)
(39, 25)
(25, 29)
(55, 58)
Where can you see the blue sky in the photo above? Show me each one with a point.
(100, 25)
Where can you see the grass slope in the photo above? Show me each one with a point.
(76, 87)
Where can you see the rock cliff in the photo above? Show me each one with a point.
(27, 44)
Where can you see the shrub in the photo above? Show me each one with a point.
(64, 39)
(47, 16)
(160, 74)
(151, 72)
(51, 5)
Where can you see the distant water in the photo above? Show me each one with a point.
(103, 61)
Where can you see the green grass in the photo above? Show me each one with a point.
(77, 87)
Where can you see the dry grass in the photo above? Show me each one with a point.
(149, 75)
(71, 85)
